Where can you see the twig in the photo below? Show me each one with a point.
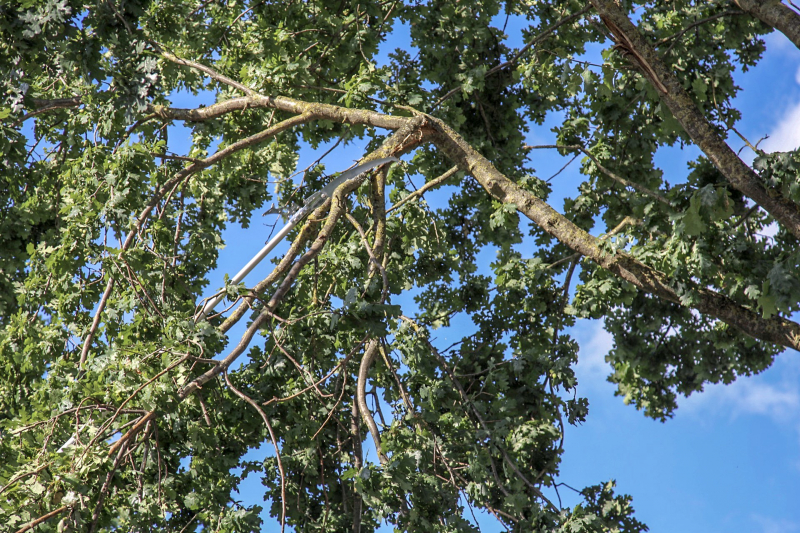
(521, 52)
(616, 177)
(21, 476)
(34, 523)
(213, 74)
(261, 412)
(422, 190)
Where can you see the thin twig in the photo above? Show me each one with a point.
(264, 417)
(616, 177)
(521, 52)
(422, 190)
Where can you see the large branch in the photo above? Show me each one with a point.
(672, 93)
(776, 14)
(281, 103)
(775, 330)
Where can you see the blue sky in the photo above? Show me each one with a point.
(730, 459)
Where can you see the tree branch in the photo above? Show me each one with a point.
(776, 330)
(774, 13)
(401, 141)
(616, 177)
(264, 417)
(363, 374)
(672, 93)
(34, 523)
(425, 188)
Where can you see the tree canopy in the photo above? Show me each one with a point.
(124, 408)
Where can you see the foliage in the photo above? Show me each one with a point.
(119, 410)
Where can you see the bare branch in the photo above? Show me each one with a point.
(363, 374)
(213, 74)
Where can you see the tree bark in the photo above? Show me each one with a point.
(776, 14)
(672, 93)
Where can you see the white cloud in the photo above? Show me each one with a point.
(775, 394)
(785, 135)
(776, 401)
(595, 342)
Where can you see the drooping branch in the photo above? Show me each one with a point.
(776, 330)
(776, 14)
(676, 36)
(742, 177)
(44, 106)
(274, 440)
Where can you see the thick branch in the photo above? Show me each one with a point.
(775, 14)
(775, 330)
(363, 375)
(672, 93)
(281, 103)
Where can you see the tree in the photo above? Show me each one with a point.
(120, 409)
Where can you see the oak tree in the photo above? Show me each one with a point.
(124, 408)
